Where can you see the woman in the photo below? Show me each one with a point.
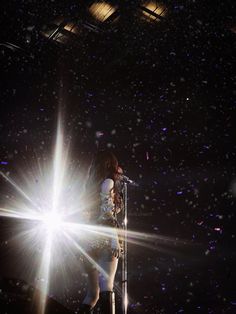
(104, 202)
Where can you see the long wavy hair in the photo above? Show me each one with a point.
(104, 165)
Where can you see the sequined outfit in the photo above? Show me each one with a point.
(107, 217)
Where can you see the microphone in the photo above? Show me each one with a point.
(128, 180)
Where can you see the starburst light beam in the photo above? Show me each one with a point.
(18, 189)
(92, 261)
(52, 194)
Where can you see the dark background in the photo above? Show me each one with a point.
(162, 97)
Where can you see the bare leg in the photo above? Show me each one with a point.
(92, 295)
(109, 264)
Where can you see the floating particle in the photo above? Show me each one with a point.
(233, 188)
(88, 124)
(200, 223)
(99, 134)
(147, 156)
(4, 162)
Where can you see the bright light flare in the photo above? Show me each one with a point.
(52, 221)
(46, 200)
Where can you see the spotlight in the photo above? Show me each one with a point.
(61, 30)
(153, 10)
(72, 27)
(101, 10)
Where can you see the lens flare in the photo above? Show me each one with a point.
(52, 222)
(48, 195)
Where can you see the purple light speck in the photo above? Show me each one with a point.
(4, 162)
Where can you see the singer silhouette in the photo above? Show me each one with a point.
(104, 202)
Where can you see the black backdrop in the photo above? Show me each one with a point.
(162, 98)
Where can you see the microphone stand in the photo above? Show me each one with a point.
(125, 254)
(125, 181)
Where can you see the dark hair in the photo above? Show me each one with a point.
(104, 165)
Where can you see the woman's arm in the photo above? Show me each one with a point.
(107, 205)
(107, 208)
(106, 194)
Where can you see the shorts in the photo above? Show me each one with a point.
(99, 256)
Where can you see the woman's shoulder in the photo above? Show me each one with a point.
(107, 185)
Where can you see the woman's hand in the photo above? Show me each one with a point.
(115, 247)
